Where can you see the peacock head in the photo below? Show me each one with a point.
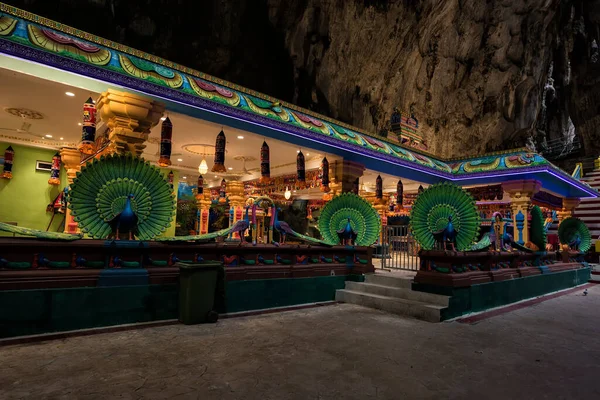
(131, 196)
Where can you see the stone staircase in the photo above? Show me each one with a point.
(589, 209)
(394, 295)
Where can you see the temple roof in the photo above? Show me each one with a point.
(31, 37)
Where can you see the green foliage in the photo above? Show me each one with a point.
(295, 216)
(219, 217)
(186, 217)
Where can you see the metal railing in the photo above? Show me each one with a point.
(399, 249)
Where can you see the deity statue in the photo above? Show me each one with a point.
(497, 231)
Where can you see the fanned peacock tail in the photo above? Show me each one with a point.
(568, 230)
(99, 193)
(37, 233)
(432, 208)
(483, 244)
(537, 232)
(364, 219)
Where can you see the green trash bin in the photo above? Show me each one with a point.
(197, 287)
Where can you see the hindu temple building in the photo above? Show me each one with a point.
(71, 100)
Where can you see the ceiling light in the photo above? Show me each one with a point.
(308, 154)
(48, 136)
(240, 137)
(287, 193)
(297, 151)
(79, 123)
(62, 139)
(70, 94)
(185, 177)
(163, 118)
(215, 176)
(294, 191)
(203, 167)
(230, 168)
(180, 159)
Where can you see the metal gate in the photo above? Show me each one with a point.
(399, 248)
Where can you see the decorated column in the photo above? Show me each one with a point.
(129, 118)
(521, 193)
(203, 203)
(237, 200)
(568, 207)
(71, 161)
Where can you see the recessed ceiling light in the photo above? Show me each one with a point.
(240, 137)
(297, 151)
(70, 94)
(294, 191)
(180, 159)
(230, 168)
(163, 118)
(62, 139)
(215, 176)
(308, 154)
(79, 123)
(48, 136)
(185, 177)
(43, 138)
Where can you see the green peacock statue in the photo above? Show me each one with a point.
(349, 219)
(537, 231)
(574, 233)
(445, 214)
(121, 194)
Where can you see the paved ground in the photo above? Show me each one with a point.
(550, 350)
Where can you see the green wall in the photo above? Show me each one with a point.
(23, 199)
(29, 312)
(484, 296)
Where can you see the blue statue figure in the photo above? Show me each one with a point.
(126, 221)
(447, 235)
(347, 235)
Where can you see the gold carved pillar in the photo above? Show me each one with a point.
(237, 200)
(71, 160)
(203, 203)
(521, 193)
(345, 175)
(129, 118)
(568, 207)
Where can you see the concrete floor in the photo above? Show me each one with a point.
(550, 350)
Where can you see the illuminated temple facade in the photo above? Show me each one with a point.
(48, 71)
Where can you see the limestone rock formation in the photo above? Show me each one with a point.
(473, 71)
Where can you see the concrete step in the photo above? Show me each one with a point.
(409, 308)
(387, 280)
(400, 293)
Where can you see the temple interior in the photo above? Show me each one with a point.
(50, 122)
